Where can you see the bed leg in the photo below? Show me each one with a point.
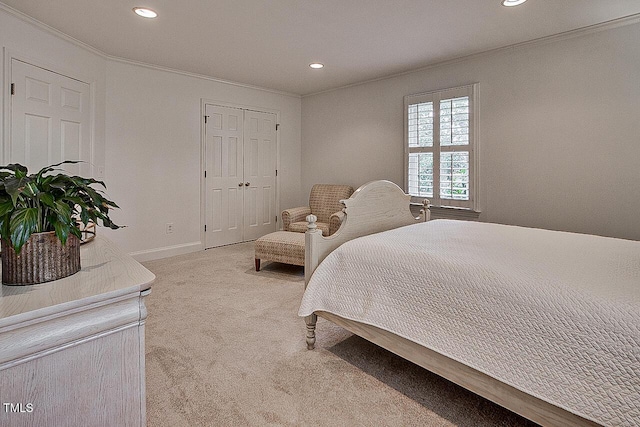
(257, 264)
(311, 330)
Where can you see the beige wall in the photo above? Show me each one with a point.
(559, 132)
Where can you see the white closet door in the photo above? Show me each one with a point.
(50, 119)
(259, 174)
(224, 180)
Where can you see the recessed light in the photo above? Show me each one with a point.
(510, 3)
(144, 12)
(316, 65)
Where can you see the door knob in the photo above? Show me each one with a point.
(246, 184)
(240, 184)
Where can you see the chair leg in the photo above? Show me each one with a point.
(257, 264)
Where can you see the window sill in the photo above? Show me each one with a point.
(448, 212)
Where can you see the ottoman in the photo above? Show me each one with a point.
(282, 246)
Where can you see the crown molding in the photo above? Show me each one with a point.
(199, 76)
(49, 29)
(607, 25)
(57, 33)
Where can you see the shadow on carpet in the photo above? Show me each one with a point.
(431, 391)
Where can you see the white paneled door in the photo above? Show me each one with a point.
(224, 175)
(259, 174)
(240, 165)
(50, 119)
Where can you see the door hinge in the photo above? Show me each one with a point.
(276, 172)
(205, 228)
(206, 118)
(277, 126)
(276, 218)
(13, 89)
(205, 174)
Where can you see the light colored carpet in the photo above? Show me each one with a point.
(225, 347)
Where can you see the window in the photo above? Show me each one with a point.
(441, 147)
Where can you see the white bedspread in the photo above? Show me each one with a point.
(556, 315)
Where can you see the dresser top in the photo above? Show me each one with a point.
(106, 273)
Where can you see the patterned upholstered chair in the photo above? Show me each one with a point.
(324, 202)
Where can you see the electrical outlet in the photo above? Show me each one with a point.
(169, 227)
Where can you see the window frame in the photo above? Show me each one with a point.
(471, 91)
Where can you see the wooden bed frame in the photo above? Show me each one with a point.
(381, 205)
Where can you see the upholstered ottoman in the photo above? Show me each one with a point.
(282, 246)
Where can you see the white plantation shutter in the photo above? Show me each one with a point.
(441, 146)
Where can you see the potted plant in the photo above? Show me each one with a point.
(40, 219)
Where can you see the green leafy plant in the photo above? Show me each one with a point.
(48, 201)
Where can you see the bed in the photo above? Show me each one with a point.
(544, 323)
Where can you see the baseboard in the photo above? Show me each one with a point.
(167, 251)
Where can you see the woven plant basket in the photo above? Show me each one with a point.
(42, 259)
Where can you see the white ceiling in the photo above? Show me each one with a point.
(270, 43)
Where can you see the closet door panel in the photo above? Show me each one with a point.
(224, 166)
(259, 174)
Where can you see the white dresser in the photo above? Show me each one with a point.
(72, 350)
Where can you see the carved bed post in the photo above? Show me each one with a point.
(310, 264)
(425, 212)
(311, 330)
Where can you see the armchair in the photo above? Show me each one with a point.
(324, 202)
